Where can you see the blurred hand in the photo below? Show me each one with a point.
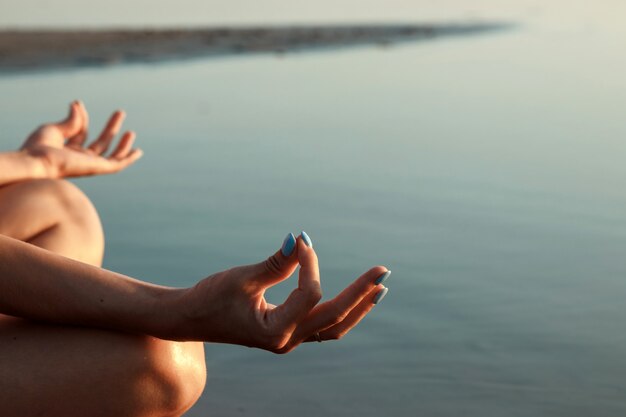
(230, 307)
(61, 146)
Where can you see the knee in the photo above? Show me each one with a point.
(53, 214)
(174, 377)
(56, 202)
(77, 215)
(73, 202)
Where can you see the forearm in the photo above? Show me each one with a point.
(40, 285)
(19, 166)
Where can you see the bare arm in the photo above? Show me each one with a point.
(19, 166)
(40, 285)
(226, 307)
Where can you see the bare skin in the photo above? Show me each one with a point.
(76, 339)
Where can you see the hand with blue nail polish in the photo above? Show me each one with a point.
(230, 307)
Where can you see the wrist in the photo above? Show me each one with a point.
(165, 316)
(21, 166)
(37, 163)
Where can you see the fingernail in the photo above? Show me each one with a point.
(382, 278)
(288, 245)
(380, 295)
(307, 239)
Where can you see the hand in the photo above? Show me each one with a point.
(60, 146)
(230, 307)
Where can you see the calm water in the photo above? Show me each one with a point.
(487, 172)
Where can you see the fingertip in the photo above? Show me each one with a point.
(130, 159)
(71, 124)
(132, 156)
(306, 239)
(372, 294)
(289, 244)
(305, 252)
(304, 244)
(381, 273)
(129, 134)
(379, 269)
(380, 295)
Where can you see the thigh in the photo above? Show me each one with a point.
(65, 371)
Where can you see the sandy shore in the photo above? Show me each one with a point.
(38, 49)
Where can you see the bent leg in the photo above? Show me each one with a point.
(55, 370)
(65, 371)
(54, 215)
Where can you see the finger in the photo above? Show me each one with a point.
(336, 310)
(357, 314)
(124, 147)
(117, 165)
(279, 266)
(78, 140)
(96, 165)
(309, 292)
(111, 129)
(70, 126)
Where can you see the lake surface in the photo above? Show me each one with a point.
(487, 172)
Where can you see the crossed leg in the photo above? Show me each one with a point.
(55, 370)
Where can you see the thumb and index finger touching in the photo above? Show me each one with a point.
(294, 252)
(352, 303)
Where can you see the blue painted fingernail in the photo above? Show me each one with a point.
(382, 278)
(307, 239)
(380, 295)
(288, 245)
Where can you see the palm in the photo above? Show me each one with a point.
(62, 146)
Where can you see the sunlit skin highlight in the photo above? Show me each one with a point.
(88, 341)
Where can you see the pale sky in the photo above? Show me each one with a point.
(82, 13)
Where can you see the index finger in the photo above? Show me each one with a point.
(309, 292)
(100, 145)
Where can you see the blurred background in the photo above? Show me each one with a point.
(119, 13)
(486, 171)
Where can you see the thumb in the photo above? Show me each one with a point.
(280, 265)
(72, 123)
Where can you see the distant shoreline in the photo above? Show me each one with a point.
(27, 50)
